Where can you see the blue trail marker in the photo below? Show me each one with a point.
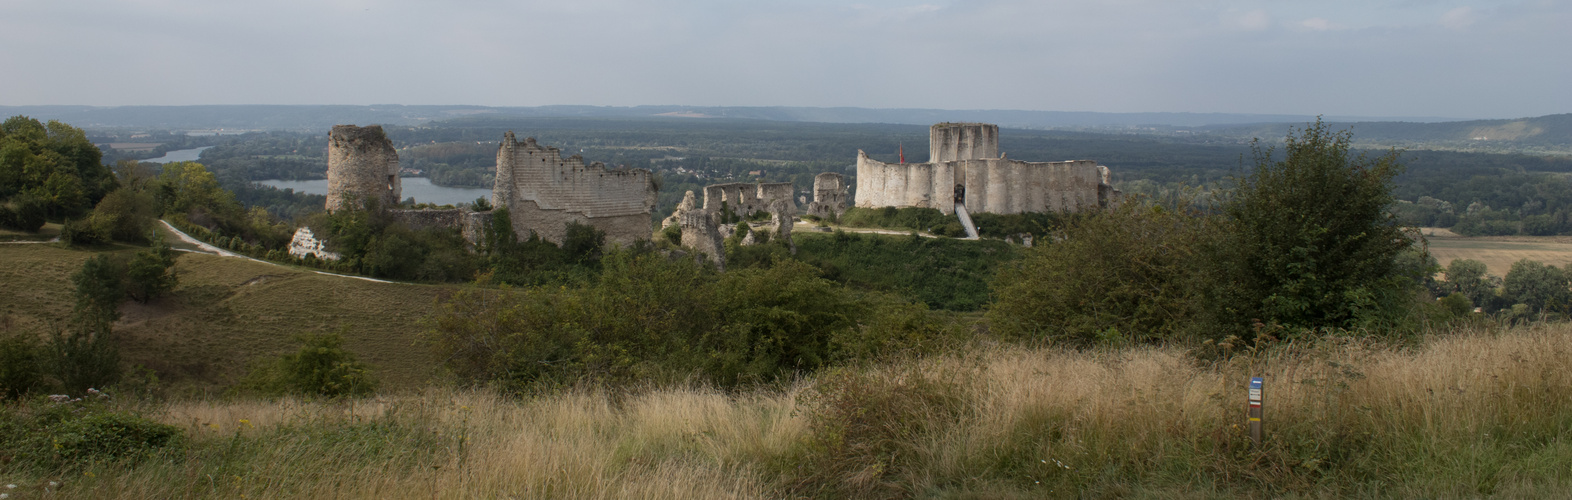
(1255, 411)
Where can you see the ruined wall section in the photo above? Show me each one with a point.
(829, 196)
(362, 165)
(545, 192)
(992, 185)
(745, 199)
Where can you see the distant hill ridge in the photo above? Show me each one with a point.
(1549, 131)
(1550, 134)
(323, 117)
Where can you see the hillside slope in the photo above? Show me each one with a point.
(228, 312)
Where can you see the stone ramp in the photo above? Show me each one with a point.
(966, 221)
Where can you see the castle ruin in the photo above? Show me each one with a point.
(966, 171)
(362, 166)
(829, 196)
(705, 228)
(544, 192)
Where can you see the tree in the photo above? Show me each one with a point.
(1541, 287)
(54, 164)
(85, 355)
(1467, 276)
(100, 287)
(1316, 244)
(151, 272)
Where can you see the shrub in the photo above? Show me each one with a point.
(83, 358)
(151, 272)
(914, 218)
(64, 433)
(20, 365)
(1135, 273)
(86, 231)
(321, 367)
(649, 318)
(23, 213)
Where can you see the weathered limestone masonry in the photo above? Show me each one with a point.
(829, 196)
(700, 230)
(703, 231)
(745, 199)
(362, 165)
(544, 193)
(965, 167)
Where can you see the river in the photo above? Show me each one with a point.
(419, 188)
(179, 155)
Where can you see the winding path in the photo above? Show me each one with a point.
(210, 249)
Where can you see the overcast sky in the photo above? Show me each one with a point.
(1461, 59)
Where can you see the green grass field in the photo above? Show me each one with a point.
(227, 312)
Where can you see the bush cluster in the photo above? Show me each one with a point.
(1305, 242)
(647, 317)
(321, 367)
(59, 432)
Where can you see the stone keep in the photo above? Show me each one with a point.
(362, 165)
(965, 167)
(544, 192)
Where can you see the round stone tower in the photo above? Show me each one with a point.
(962, 141)
(362, 166)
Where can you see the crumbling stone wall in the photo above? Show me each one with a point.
(700, 230)
(745, 199)
(362, 166)
(544, 192)
(976, 175)
(829, 196)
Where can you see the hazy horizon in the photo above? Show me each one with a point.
(1450, 59)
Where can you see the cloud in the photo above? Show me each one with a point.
(1458, 18)
(1255, 20)
(1393, 57)
(1316, 24)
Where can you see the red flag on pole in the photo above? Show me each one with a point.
(903, 152)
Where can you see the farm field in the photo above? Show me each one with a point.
(1499, 252)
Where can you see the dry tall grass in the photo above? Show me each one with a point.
(1463, 415)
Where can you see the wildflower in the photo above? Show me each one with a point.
(59, 398)
(245, 422)
(53, 484)
(4, 496)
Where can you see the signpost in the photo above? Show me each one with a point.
(1255, 411)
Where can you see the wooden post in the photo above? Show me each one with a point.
(1255, 411)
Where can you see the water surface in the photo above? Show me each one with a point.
(419, 188)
